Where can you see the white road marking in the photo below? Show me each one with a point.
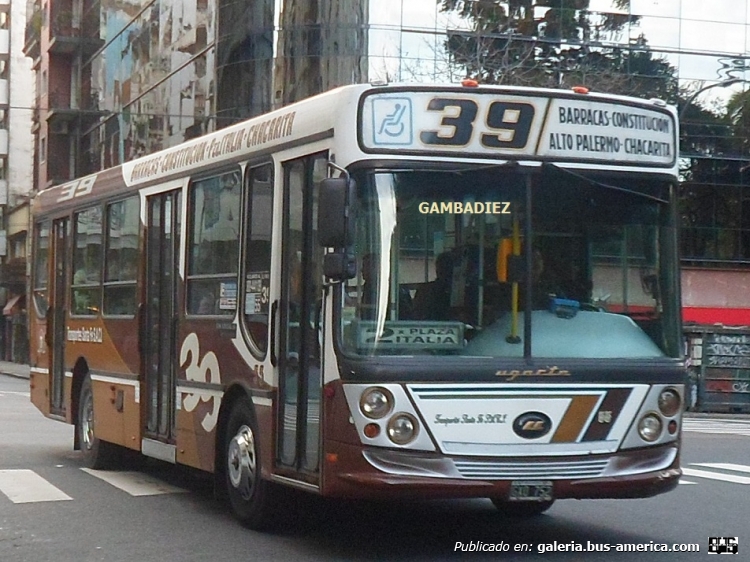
(135, 483)
(716, 476)
(26, 486)
(686, 481)
(717, 426)
(15, 393)
(723, 466)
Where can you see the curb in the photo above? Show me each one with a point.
(15, 375)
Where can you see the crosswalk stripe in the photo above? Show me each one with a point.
(716, 476)
(26, 486)
(134, 483)
(717, 426)
(723, 466)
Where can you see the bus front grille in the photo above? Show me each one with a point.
(550, 470)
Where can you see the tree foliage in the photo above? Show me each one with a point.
(555, 43)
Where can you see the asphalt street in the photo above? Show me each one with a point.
(53, 510)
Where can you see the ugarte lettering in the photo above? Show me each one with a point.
(553, 371)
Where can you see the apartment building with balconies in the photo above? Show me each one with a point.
(16, 176)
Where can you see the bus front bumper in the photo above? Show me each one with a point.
(377, 473)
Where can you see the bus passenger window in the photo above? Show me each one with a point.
(41, 268)
(259, 210)
(121, 262)
(214, 245)
(87, 262)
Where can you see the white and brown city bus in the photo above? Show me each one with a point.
(435, 291)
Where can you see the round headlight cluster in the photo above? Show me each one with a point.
(402, 429)
(376, 403)
(669, 402)
(649, 428)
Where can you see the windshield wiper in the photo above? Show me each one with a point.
(594, 183)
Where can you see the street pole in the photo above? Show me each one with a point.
(724, 84)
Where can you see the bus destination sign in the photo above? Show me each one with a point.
(407, 334)
(482, 124)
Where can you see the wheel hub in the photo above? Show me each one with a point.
(241, 462)
(87, 423)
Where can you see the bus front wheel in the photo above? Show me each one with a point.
(250, 496)
(97, 454)
(521, 509)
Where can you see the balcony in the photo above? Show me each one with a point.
(13, 274)
(32, 40)
(4, 43)
(60, 112)
(69, 34)
(3, 142)
(3, 192)
(34, 120)
(4, 93)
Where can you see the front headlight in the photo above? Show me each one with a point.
(402, 428)
(649, 428)
(669, 402)
(376, 403)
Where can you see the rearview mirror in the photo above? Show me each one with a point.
(334, 212)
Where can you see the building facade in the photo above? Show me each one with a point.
(16, 162)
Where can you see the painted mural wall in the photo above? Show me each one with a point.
(153, 80)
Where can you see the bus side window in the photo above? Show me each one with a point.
(87, 262)
(214, 245)
(121, 261)
(259, 210)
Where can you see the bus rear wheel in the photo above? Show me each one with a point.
(251, 497)
(97, 454)
(521, 509)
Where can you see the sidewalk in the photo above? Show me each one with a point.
(14, 369)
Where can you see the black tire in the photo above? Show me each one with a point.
(253, 500)
(521, 509)
(97, 454)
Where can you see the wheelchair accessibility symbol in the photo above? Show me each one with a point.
(392, 121)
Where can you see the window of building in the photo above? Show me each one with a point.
(714, 201)
(121, 263)
(87, 262)
(43, 150)
(213, 253)
(259, 209)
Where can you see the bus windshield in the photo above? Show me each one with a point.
(444, 266)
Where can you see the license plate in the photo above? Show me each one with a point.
(530, 491)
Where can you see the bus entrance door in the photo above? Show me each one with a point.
(56, 315)
(299, 353)
(159, 333)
